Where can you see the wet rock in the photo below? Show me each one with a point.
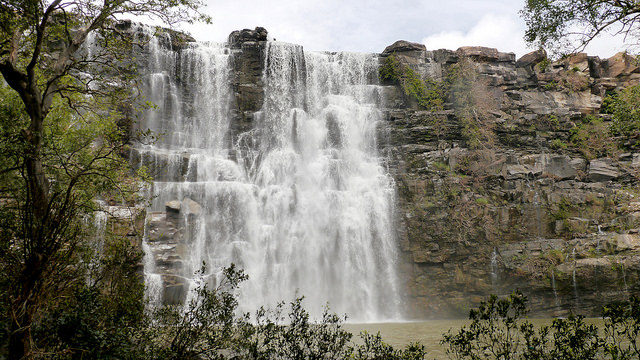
(192, 207)
(173, 206)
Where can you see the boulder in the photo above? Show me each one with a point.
(601, 170)
(627, 242)
(479, 53)
(621, 64)
(561, 167)
(445, 56)
(532, 58)
(635, 162)
(506, 57)
(404, 46)
(192, 207)
(173, 206)
(579, 164)
(239, 36)
(579, 61)
(596, 67)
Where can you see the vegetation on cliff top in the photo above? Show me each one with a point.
(428, 93)
(569, 25)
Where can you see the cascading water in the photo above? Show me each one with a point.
(300, 201)
(494, 267)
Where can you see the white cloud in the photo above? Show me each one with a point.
(371, 25)
(506, 32)
(338, 25)
(497, 31)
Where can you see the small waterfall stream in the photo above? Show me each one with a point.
(301, 201)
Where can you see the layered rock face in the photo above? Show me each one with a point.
(525, 205)
(493, 193)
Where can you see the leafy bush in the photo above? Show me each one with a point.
(209, 328)
(102, 309)
(494, 332)
(499, 330)
(625, 108)
(622, 329)
(428, 93)
(592, 138)
(473, 104)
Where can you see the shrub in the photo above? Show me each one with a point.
(473, 104)
(593, 138)
(428, 93)
(625, 108)
(498, 330)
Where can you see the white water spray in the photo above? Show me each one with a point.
(301, 201)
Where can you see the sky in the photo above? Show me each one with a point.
(371, 25)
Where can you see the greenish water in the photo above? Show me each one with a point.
(429, 333)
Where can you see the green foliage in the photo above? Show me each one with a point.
(493, 332)
(622, 329)
(565, 209)
(552, 23)
(551, 85)
(573, 339)
(473, 103)
(499, 330)
(558, 144)
(374, 348)
(391, 69)
(440, 166)
(291, 335)
(203, 328)
(208, 328)
(608, 103)
(544, 65)
(625, 108)
(103, 309)
(592, 137)
(428, 93)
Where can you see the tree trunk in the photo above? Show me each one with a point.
(20, 336)
(36, 213)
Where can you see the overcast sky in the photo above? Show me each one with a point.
(371, 25)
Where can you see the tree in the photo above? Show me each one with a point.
(60, 113)
(562, 25)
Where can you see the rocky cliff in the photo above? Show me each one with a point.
(525, 191)
(505, 175)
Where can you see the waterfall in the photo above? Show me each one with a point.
(573, 277)
(494, 267)
(553, 286)
(301, 201)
